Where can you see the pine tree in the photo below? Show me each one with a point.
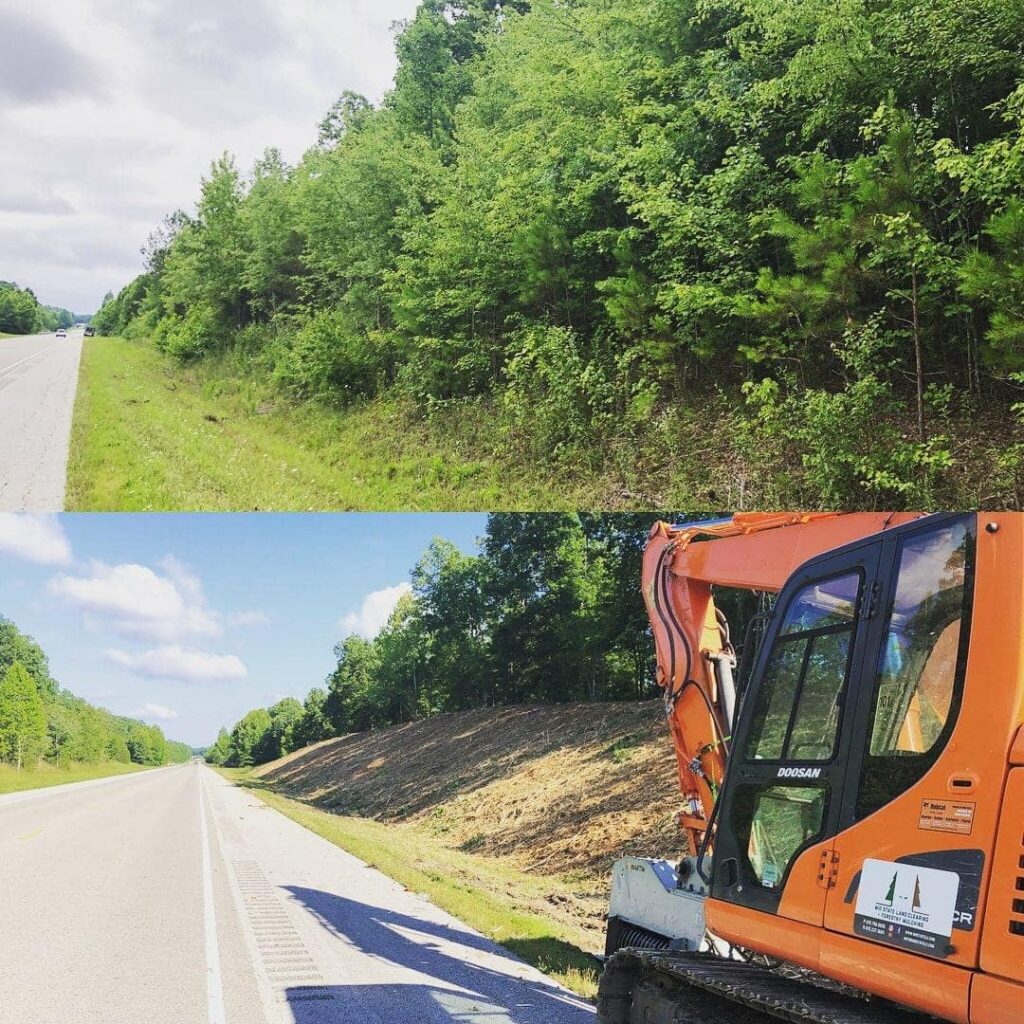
(890, 896)
(22, 718)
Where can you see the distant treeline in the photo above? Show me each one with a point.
(41, 721)
(548, 611)
(22, 313)
(602, 212)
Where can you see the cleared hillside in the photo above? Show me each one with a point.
(556, 792)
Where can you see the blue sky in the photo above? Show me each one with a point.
(191, 620)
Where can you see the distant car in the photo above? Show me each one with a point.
(90, 332)
(61, 333)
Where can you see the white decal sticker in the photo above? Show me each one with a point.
(907, 906)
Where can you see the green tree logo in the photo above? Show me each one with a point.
(890, 896)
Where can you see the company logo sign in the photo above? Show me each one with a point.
(907, 906)
(799, 773)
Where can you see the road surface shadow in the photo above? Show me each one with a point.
(410, 1004)
(459, 976)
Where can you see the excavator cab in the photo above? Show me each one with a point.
(869, 828)
(854, 697)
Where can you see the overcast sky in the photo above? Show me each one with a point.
(111, 110)
(189, 621)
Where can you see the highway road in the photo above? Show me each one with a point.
(38, 380)
(173, 897)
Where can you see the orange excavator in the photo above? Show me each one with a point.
(853, 797)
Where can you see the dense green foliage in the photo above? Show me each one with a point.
(548, 611)
(40, 719)
(602, 210)
(22, 313)
(176, 752)
(22, 718)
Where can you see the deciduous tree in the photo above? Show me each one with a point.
(22, 719)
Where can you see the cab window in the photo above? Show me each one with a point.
(782, 821)
(796, 717)
(918, 684)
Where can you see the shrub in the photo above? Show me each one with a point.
(195, 334)
(564, 401)
(846, 441)
(437, 370)
(330, 359)
(144, 326)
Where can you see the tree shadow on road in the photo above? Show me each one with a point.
(459, 975)
(403, 1004)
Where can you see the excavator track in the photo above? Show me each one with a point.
(658, 987)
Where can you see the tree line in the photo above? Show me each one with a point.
(41, 721)
(548, 610)
(808, 216)
(22, 313)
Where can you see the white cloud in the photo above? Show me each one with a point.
(34, 538)
(183, 577)
(114, 109)
(135, 600)
(155, 713)
(375, 611)
(181, 665)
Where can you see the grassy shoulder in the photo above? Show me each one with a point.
(13, 781)
(149, 434)
(512, 907)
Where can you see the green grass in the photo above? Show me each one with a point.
(622, 750)
(149, 434)
(495, 899)
(13, 781)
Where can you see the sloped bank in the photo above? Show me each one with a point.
(510, 818)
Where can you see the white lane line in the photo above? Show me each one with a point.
(35, 355)
(214, 983)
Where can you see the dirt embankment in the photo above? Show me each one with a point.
(561, 790)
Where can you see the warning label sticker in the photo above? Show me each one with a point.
(907, 906)
(947, 816)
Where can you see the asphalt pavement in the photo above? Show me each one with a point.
(173, 897)
(38, 381)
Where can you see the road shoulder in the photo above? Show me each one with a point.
(498, 901)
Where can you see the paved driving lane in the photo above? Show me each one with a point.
(102, 907)
(173, 897)
(38, 381)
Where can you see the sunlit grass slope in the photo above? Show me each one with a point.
(151, 435)
(13, 781)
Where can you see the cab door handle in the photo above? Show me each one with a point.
(963, 784)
